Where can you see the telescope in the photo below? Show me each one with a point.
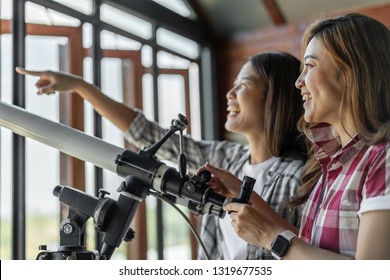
(143, 175)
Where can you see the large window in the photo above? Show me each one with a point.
(125, 55)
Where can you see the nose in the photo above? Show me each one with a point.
(300, 81)
(231, 93)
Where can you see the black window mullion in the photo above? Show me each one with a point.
(18, 142)
(97, 80)
(159, 206)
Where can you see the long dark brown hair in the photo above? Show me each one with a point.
(360, 47)
(278, 71)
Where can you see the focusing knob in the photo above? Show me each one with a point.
(205, 175)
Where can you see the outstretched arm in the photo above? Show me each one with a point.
(50, 82)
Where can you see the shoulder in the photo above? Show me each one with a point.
(291, 162)
(231, 155)
(378, 153)
(381, 148)
(230, 148)
(287, 171)
(374, 161)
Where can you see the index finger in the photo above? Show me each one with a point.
(233, 207)
(219, 172)
(200, 169)
(23, 71)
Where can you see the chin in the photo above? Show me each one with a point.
(230, 128)
(308, 118)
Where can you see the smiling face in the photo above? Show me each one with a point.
(322, 85)
(245, 103)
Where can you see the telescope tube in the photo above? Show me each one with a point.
(66, 139)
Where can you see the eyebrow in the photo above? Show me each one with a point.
(249, 78)
(310, 56)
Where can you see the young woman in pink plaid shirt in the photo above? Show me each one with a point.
(345, 88)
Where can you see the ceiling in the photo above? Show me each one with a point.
(231, 16)
(209, 20)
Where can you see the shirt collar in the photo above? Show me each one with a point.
(328, 144)
(326, 140)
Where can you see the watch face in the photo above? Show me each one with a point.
(280, 246)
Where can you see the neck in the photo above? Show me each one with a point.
(259, 150)
(346, 133)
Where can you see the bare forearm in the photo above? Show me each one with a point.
(118, 113)
(263, 207)
(300, 250)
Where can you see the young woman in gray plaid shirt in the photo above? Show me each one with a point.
(263, 105)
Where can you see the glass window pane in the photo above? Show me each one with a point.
(147, 96)
(126, 21)
(171, 98)
(176, 235)
(167, 60)
(42, 207)
(177, 43)
(6, 9)
(6, 193)
(5, 151)
(6, 65)
(41, 15)
(87, 35)
(151, 225)
(178, 6)
(88, 127)
(42, 161)
(89, 167)
(195, 101)
(146, 56)
(114, 41)
(112, 87)
(83, 6)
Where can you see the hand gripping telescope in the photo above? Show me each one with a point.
(144, 174)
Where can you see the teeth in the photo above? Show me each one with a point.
(306, 97)
(233, 110)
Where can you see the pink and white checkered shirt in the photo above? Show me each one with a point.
(355, 179)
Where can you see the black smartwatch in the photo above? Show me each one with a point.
(281, 244)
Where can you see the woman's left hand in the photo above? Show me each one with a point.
(251, 225)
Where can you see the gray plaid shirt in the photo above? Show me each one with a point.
(283, 179)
